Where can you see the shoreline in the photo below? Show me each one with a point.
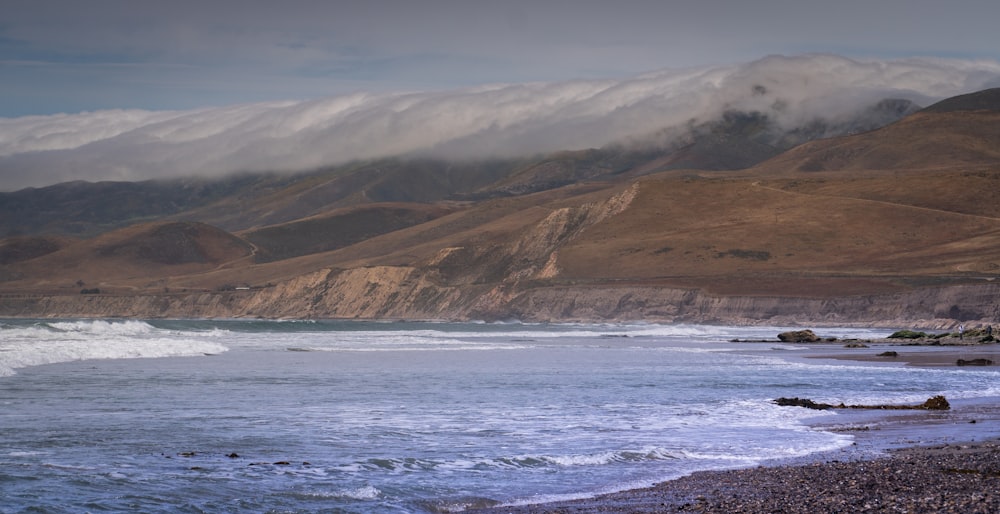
(911, 461)
(917, 355)
(900, 461)
(951, 478)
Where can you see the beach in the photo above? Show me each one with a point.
(356, 417)
(910, 461)
(959, 478)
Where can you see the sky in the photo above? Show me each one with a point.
(81, 77)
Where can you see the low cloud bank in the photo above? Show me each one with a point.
(488, 121)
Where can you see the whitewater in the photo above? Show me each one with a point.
(340, 416)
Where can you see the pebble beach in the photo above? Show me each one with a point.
(912, 462)
(962, 478)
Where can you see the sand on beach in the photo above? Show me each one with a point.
(917, 355)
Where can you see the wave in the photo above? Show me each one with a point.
(366, 492)
(480, 330)
(44, 342)
(597, 459)
(102, 327)
(433, 346)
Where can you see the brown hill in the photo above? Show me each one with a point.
(138, 257)
(733, 234)
(734, 140)
(924, 140)
(295, 197)
(337, 229)
(898, 211)
(986, 100)
(793, 237)
(17, 249)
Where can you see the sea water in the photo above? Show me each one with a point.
(337, 416)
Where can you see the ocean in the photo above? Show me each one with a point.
(351, 416)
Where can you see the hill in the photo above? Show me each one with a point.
(958, 132)
(140, 257)
(986, 100)
(337, 229)
(17, 249)
(736, 140)
(892, 226)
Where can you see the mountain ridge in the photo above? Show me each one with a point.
(735, 140)
(883, 227)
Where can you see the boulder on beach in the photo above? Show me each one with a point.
(798, 336)
(974, 362)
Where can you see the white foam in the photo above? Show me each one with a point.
(104, 328)
(408, 348)
(361, 493)
(58, 342)
(608, 457)
(697, 333)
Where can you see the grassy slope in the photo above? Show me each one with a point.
(816, 236)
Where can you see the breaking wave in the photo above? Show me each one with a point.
(41, 343)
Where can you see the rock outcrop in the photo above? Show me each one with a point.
(410, 293)
(933, 403)
(798, 336)
(974, 362)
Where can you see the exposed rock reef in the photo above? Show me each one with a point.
(932, 403)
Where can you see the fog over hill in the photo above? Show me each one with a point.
(503, 120)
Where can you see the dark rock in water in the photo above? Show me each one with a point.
(933, 403)
(888, 354)
(974, 362)
(855, 345)
(803, 402)
(233, 455)
(798, 336)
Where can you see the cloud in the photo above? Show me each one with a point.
(72, 56)
(486, 121)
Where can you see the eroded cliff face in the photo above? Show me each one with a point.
(941, 307)
(407, 293)
(519, 277)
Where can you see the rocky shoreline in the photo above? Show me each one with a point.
(901, 461)
(907, 460)
(962, 478)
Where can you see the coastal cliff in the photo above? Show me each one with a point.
(405, 293)
(887, 227)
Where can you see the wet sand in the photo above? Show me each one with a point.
(901, 461)
(936, 356)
